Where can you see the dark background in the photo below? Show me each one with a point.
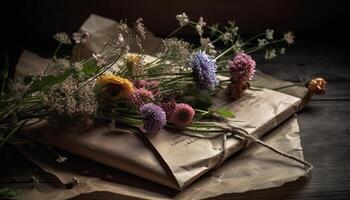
(30, 24)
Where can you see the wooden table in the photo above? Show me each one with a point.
(324, 125)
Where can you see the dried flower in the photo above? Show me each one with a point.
(62, 38)
(140, 97)
(235, 90)
(270, 54)
(61, 159)
(204, 71)
(262, 42)
(120, 38)
(182, 115)
(154, 117)
(177, 51)
(183, 19)
(282, 50)
(317, 86)
(140, 83)
(140, 32)
(289, 37)
(134, 63)
(80, 37)
(227, 37)
(116, 85)
(208, 46)
(269, 34)
(100, 59)
(168, 107)
(199, 27)
(153, 84)
(242, 68)
(68, 99)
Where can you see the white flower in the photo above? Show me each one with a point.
(201, 22)
(100, 60)
(282, 51)
(270, 53)
(120, 38)
(199, 27)
(262, 42)
(289, 37)
(269, 34)
(62, 38)
(182, 18)
(226, 37)
(61, 159)
(208, 46)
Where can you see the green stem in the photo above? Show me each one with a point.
(287, 86)
(11, 133)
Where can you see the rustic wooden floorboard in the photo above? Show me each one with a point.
(324, 126)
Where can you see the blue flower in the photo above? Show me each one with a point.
(154, 117)
(204, 71)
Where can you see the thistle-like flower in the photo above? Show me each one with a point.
(182, 115)
(242, 68)
(154, 117)
(204, 71)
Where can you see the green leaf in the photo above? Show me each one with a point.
(224, 113)
(48, 81)
(9, 192)
(90, 68)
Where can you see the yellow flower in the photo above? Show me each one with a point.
(134, 59)
(116, 85)
(134, 64)
(317, 86)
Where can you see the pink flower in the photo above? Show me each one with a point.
(153, 84)
(242, 68)
(182, 115)
(168, 107)
(140, 97)
(140, 83)
(235, 90)
(81, 37)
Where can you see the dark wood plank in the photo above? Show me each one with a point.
(308, 62)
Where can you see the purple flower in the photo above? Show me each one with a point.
(204, 71)
(182, 115)
(242, 68)
(154, 117)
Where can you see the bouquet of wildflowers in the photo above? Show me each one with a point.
(120, 88)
